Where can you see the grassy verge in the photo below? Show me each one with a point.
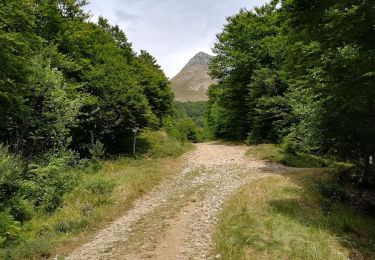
(285, 217)
(160, 145)
(274, 153)
(100, 197)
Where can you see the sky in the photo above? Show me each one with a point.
(173, 31)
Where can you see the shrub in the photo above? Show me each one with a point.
(13, 209)
(97, 152)
(49, 179)
(290, 144)
(21, 209)
(100, 186)
(69, 226)
(270, 119)
(183, 129)
(195, 110)
(38, 248)
(11, 173)
(159, 144)
(9, 228)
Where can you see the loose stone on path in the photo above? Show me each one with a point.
(176, 220)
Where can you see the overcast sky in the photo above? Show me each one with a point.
(171, 30)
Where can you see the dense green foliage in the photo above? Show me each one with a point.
(299, 73)
(67, 82)
(195, 110)
(183, 129)
(26, 190)
(188, 122)
(294, 72)
(159, 144)
(71, 91)
(92, 196)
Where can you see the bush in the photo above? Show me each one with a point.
(9, 228)
(21, 209)
(290, 144)
(11, 174)
(49, 179)
(100, 186)
(13, 209)
(38, 248)
(270, 119)
(183, 129)
(160, 144)
(195, 110)
(97, 152)
(69, 226)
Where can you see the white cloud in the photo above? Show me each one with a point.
(122, 16)
(171, 30)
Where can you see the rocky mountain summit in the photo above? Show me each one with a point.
(192, 82)
(200, 58)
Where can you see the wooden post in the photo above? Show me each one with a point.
(134, 143)
(135, 130)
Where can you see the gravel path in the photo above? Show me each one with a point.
(176, 220)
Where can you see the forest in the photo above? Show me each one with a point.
(296, 73)
(300, 74)
(71, 92)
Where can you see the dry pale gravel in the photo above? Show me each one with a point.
(176, 219)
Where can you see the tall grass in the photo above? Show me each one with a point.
(284, 217)
(159, 145)
(275, 153)
(99, 197)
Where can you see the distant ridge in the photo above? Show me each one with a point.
(192, 82)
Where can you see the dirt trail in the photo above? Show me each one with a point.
(176, 220)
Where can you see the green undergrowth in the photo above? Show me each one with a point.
(100, 194)
(287, 217)
(275, 153)
(159, 145)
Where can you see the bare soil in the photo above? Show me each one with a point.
(176, 220)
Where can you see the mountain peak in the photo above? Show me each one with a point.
(192, 82)
(201, 58)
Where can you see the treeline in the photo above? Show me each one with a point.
(189, 122)
(195, 110)
(71, 91)
(302, 74)
(66, 82)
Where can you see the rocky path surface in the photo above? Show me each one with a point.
(176, 220)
